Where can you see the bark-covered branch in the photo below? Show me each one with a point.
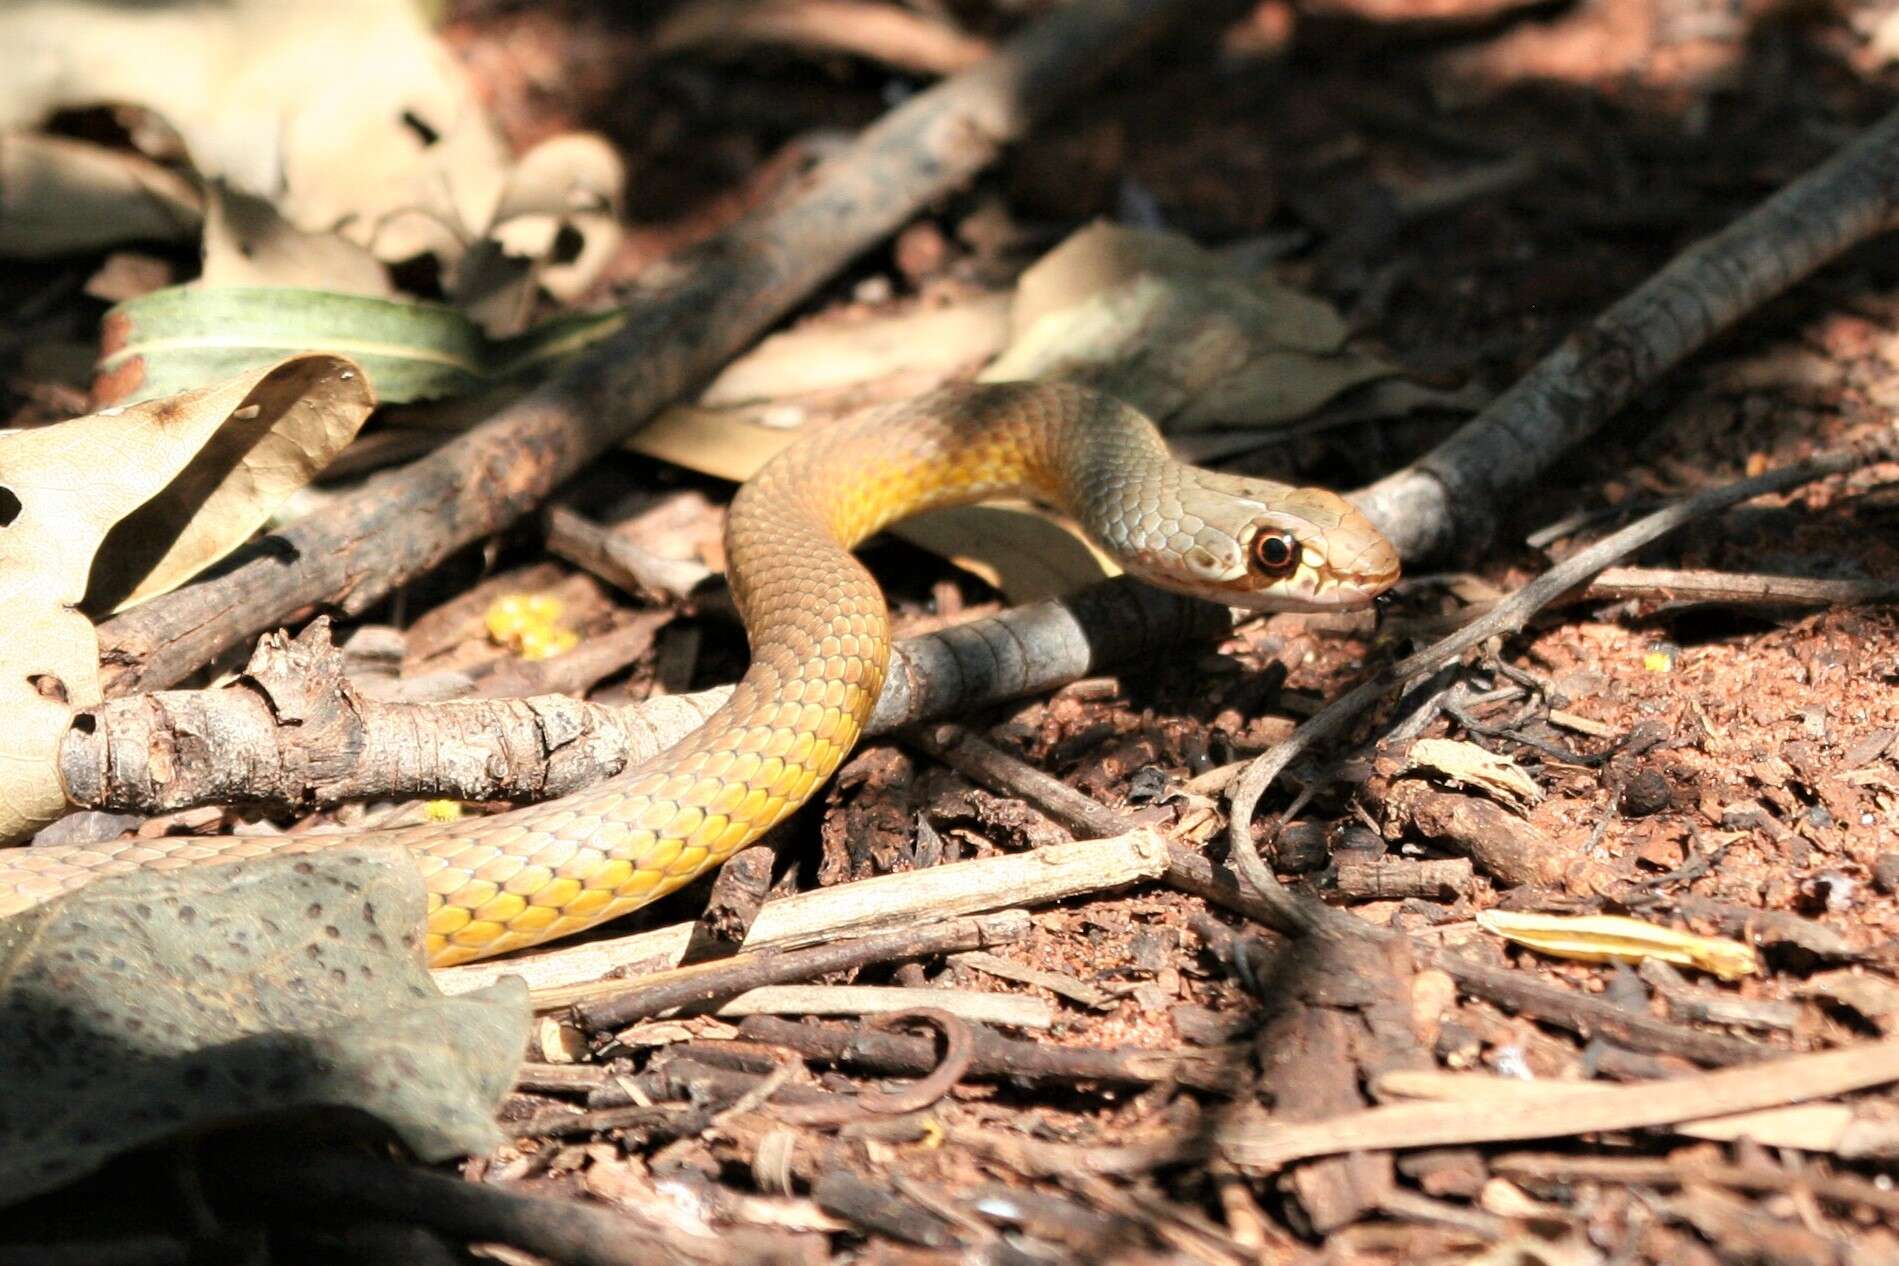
(1449, 500)
(293, 733)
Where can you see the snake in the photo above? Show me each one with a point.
(820, 639)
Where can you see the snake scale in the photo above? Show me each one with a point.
(820, 635)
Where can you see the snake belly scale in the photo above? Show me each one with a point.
(820, 635)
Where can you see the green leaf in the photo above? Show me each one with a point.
(185, 336)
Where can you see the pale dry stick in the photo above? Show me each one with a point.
(882, 903)
(710, 302)
(1584, 1110)
(1009, 1009)
(1735, 589)
(1808, 1127)
(1507, 616)
(170, 750)
(624, 1002)
(1846, 1189)
(1449, 499)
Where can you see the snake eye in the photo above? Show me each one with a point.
(1275, 553)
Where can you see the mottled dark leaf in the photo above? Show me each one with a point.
(152, 1004)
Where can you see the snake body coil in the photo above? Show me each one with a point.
(820, 646)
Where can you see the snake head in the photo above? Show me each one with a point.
(1271, 547)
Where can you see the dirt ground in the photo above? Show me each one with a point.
(1467, 181)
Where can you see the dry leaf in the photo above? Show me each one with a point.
(826, 355)
(567, 188)
(59, 195)
(1607, 938)
(291, 424)
(158, 1003)
(64, 487)
(347, 116)
(1468, 765)
(1175, 331)
(246, 243)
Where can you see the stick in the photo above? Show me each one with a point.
(685, 986)
(880, 904)
(1009, 1009)
(1587, 1109)
(998, 1056)
(713, 301)
(1450, 498)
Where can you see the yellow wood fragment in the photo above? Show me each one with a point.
(1607, 938)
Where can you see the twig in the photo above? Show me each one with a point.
(1397, 880)
(713, 301)
(1586, 1109)
(880, 904)
(1507, 616)
(613, 557)
(1844, 1189)
(688, 985)
(959, 1048)
(985, 763)
(996, 1056)
(1734, 589)
(1008, 1009)
(1059, 983)
(1451, 497)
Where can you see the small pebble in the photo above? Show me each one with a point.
(1646, 792)
(1886, 873)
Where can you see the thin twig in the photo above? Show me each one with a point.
(687, 985)
(880, 904)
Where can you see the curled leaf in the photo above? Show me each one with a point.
(64, 487)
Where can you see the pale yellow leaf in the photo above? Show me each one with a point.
(1608, 938)
(62, 490)
(291, 424)
(826, 355)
